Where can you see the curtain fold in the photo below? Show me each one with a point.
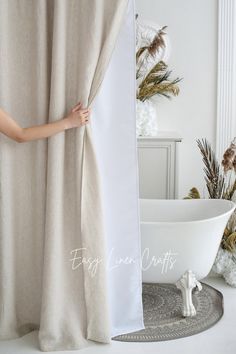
(98, 26)
(52, 246)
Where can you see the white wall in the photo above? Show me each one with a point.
(192, 29)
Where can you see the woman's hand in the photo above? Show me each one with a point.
(78, 116)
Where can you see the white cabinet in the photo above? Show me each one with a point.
(158, 166)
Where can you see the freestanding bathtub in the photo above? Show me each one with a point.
(179, 241)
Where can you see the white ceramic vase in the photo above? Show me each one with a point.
(146, 122)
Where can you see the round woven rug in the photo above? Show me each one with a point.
(163, 318)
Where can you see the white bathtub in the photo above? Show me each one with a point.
(190, 230)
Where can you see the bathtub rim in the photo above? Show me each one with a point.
(187, 221)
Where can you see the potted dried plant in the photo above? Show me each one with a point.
(153, 79)
(221, 183)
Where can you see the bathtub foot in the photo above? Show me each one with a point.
(186, 284)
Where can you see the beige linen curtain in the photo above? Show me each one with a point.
(53, 53)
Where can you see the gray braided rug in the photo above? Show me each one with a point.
(162, 313)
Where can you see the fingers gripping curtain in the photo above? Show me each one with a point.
(71, 42)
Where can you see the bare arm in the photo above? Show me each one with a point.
(8, 126)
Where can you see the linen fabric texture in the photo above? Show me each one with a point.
(52, 55)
